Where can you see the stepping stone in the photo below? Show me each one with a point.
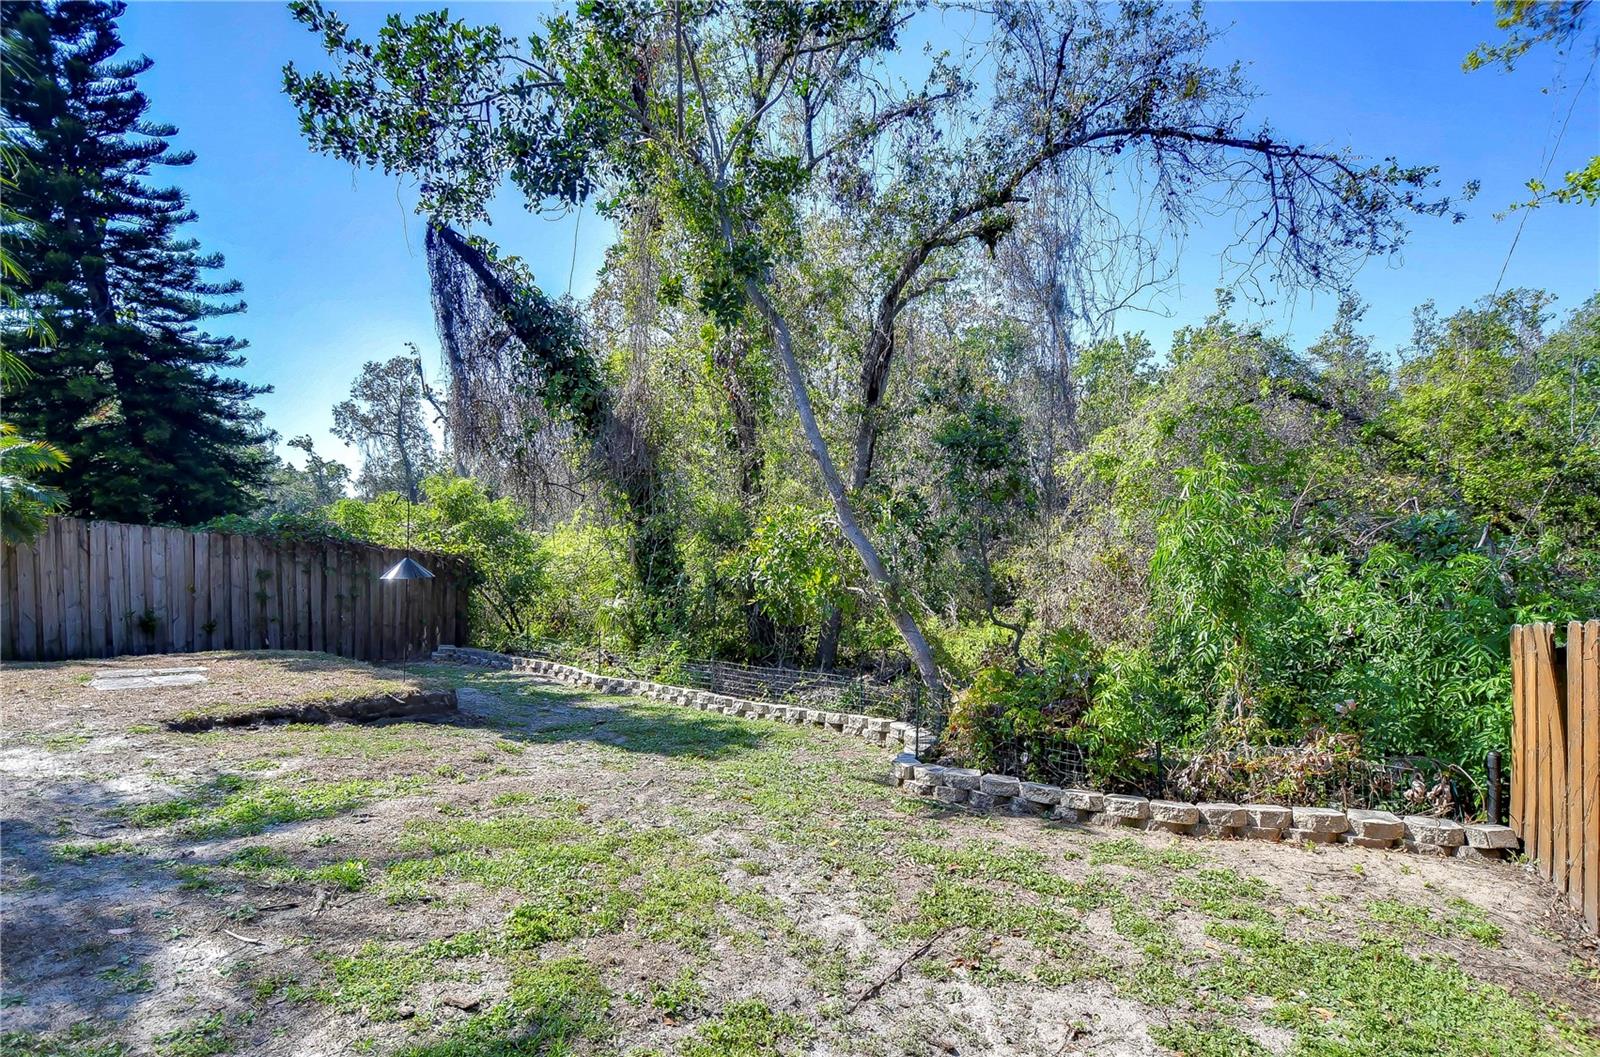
(145, 678)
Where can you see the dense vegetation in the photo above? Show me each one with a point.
(1240, 542)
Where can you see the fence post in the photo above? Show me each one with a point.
(1491, 807)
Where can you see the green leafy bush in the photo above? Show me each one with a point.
(1015, 718)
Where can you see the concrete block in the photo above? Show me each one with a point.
(1424, 848)
(1269, 816)
(1357, 841)
(1309, 836)
(1486, 836)
(1040, 793)
(1320, 820)
(962, 778)
(1174, 813)
(947, 794)
(984, 801)
(1272, 833)
(1467, 851)
(1000, 785)
(1375, 825)
(1086, 800)
(1062, 813)
(1424, 829)
(1127, 808)
(1223, 816)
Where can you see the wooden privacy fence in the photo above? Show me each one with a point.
(100, 589)
(1555, 754)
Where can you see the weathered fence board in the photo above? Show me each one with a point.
(98, 589)
(1555, 736)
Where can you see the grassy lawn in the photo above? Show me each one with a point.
(564, 873)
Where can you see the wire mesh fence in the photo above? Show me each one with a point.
(1301, 775)
(1309, 775)
(899, 698)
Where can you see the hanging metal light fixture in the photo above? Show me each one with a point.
(406, 569)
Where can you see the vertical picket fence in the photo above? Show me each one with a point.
(101, 589)
(1555, 749)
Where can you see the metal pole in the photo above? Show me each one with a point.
(1492, 806)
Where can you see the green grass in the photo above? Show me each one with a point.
(680, 998)
(1206, 1040)
(1459, 919)
(1373, 998)
(747, 1029)
(269, 866)
(85, 1039)
(83, 852)
(553, 1006)
(1126, 851)
(1222, 893)
(207, 1037)
(379, 979)
(233, 805)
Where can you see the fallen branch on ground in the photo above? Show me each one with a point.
(894, 974)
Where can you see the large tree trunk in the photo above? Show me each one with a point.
(916, 643)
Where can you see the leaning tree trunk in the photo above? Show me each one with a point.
(916, 642)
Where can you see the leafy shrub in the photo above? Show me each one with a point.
(1015, 719)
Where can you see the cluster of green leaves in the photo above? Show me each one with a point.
(1010, 717)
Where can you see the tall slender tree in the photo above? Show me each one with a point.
(133, 389)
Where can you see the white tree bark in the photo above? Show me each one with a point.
(916, 642)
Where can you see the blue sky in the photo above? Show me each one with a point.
(332, 263)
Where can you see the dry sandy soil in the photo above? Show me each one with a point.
(553, 872)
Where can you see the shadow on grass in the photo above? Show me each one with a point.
(547, 715)
(78, 949)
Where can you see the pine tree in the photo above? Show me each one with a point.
(133, 389)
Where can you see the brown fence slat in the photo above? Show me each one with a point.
(74, 576)
(1556, 762)
(8, 599)
(1519, 739)
(116, 590)
(1589, 708)
(27, 615)
(1556, 756)
(49, 580)
(200, 592)
(1544, 784)
(1571, 842)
